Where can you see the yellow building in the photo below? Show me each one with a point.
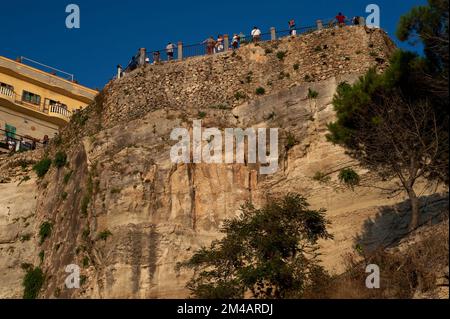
(34, 103)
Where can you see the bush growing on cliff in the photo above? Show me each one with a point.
(45, 231)
(312, 94)
(260, 91)
(60, 159)
(104, 235)
(281, 55)
(269, 252)
(32, 282)
(349, 177)
(41, 168)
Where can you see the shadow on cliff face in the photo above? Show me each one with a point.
(390, 225)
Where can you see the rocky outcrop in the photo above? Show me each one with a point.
(129, 214)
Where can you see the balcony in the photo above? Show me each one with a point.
(8, 93)
(45, 111)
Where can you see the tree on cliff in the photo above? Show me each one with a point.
(396, 123)
(268, 252)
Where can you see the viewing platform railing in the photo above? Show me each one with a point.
(183, 51)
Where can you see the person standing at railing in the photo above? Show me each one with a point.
(235, 41)
(256, 34)
(340, 18)
(292, 30)
(170, 48)
(355, 20)
(156, 57)
(45, 141)
(210, 44)
(218, 47)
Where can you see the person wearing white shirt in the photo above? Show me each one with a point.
(256, 34)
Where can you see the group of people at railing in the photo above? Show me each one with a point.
(16, 143)
(220, 44)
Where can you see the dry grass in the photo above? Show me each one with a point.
(405, 271)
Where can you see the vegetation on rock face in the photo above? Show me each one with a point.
(32, 282)
(45, 231)
(396, 123)
(312, 94)
(41, 168)
(260, 91)
(60, 159)
(349, 177)
(270, 252)
(104, 235)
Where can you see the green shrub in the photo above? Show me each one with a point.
(260, 91)
(86, 233)
(312, 94)
(85, 204)
(80, 118)
(115, 190)
(240, 95)
(32, 283)
(321, 177)
(349, 177)
(41, 168)
(220, 107)
(201, 114)
(25, 237)
(60, 159)
(64, 195)
(45, 231)
(85, 261)
(281, 55)
(67, 177)
(41, 256)
(104, 235)
(290, 141)
(83, 279)
(268, 50)
(296, 66)
(307, 78)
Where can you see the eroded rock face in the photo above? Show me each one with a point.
(17, 222)
(130, 214)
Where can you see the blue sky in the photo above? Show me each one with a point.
(112, 30)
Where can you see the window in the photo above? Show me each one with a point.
(31, 98)
(10, 131)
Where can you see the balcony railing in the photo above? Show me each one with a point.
(7, 92)
(58, 110)
(52, 110)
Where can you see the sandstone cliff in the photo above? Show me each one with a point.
(128, 214)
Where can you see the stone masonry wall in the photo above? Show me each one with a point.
(214, 81)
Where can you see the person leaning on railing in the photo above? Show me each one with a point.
(170, 48)
(210, 44)
(256, 34)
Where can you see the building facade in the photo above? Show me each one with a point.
(34, 103)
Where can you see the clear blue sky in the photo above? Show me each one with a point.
(112, 30)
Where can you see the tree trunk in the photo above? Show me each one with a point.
(415, 209)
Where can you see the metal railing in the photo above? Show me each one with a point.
(15, 142)
(202, 48)
(54, 71)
